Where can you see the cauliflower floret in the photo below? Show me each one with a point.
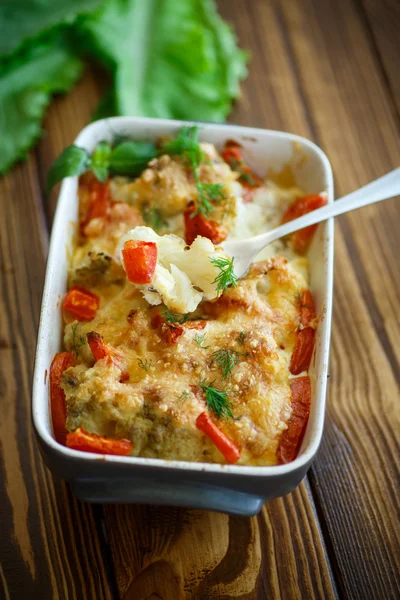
(183, 275)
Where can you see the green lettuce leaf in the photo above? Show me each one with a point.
(21, 20)
(27, 81)
(172, 59)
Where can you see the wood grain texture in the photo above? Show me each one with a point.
(359, 457)
(49, 544)
(383, 21)
(176, 553)
(327, 70)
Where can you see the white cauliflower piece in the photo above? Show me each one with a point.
(183, 275)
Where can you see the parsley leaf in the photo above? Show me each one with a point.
(73, 161)
(131, 158)
(101, 161)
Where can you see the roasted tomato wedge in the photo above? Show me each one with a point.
(95, 199)
(303, 349)
(90, 442)
(140, 260)
(196, 224)
(291, 438)
(219, 439)
(81, 303)
(233, 155)
(101, 350)
(301, 239)
(307, 309)
(60, 363)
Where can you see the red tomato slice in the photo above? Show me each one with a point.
(197, 225)
(301, 239)
(230, 451)
(303, 350)
(291, 438)
(60, 363)
(96, 198)
(307, 310)
(233, 155)
(81, 303)
(140, 260)
(90, 442)
(101, 350)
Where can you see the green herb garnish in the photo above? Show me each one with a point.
(101, 161)
(227, 276)
(241, 338)
(77, 341)
(126, 158)
(186, 145)
(199, 339)
(144, 365)
(152, 217)
(217, 400)
(226, 359)
(184, 396)
(73, 161)
(175, 317)
(247, 178)
(131, 158)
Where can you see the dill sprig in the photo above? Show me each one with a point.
(184, 396)
(77, 341)
(226, 359)
(199, 339)
(144, 365)
(226, 276)
(207, 194)
(186, 145)
(151, 217)
(175, 317)
(241, 338)
(217, 400)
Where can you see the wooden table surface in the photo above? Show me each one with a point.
(327, 70)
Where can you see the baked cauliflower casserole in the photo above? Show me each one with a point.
(167, 354)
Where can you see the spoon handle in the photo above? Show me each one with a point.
(381, 189)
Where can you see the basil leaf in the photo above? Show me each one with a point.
(131, 158)
(73, 161)
(101, 160)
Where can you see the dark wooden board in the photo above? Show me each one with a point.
(323, 69)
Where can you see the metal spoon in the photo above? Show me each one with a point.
(244, 251)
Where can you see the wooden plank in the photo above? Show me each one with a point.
(282, 554)
(337, 90)
(147, 549)
(176, 553)
(383, 19)
(49, 545)
(356, 475)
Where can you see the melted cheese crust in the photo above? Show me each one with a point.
(158, 406)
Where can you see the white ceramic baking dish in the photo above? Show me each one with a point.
(233, 489)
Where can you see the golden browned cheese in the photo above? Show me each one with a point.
(157, 407)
